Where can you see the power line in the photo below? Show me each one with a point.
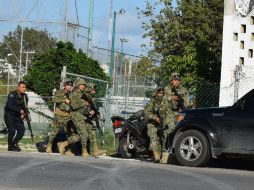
(33, 21)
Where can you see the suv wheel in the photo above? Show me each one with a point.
(192, 148)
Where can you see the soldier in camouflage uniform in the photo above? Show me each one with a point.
(62, 112)
(177, 99)
(78, 117)
(90, 91)
(155, 112)
(176, 95)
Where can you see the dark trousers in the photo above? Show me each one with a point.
(16, 129)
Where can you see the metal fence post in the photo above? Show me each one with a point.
(63, 76)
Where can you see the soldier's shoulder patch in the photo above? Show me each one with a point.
(11, 95)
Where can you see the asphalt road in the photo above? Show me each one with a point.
(43, 171)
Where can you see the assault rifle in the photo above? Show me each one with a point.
(160, 130)
(28, 120)
(95, 116)
(180, 101)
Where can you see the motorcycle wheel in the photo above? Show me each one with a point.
(124, 150)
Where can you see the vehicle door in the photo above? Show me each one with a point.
(238, 128)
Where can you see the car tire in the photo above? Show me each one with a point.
(123, 149)
(192, 149)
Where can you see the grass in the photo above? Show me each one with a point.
(109, 141)
(26, 143)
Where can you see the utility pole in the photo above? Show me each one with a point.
(123, 40)
(110, 23)
(66, 21)
(90, 30)
(111, 66)
(112, 47)
(21, 52)
(26, 62)
(27, 56)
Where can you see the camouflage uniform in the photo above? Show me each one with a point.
(92, 133)
(62, 113)
(156, 108)
(73, 135)
(79, 119)
(172, 103)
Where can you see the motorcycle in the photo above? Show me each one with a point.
(131, 134)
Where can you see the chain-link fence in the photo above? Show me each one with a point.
(203, 94)
(131, 93)
(101, 92)
(245, 81)
(40, 113)
(241, 83)
(128, 91)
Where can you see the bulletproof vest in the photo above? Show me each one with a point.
(63, 106)
(157, 106)
(175, 103)
(87, 97)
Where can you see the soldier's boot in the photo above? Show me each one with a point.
(69, 153)
(97, 151)
(49, 148)
(84, 153)
(157, 156)
(61, 146)
(164, 158)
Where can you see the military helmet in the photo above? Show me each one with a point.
(80, 81)
(68, 81)
(175, 76)
(90, 86)
(160, 90)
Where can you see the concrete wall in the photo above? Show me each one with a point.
(237, 49)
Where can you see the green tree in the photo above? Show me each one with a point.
(145, 67)
(33, 40)
(186, 38)
(44, 75)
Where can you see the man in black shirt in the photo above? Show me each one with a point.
(14, 116)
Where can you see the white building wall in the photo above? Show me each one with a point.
(235, 54)
(38, 109)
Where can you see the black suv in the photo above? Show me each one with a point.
(213, 132)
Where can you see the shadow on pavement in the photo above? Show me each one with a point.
(233, 163)
(225, 163)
